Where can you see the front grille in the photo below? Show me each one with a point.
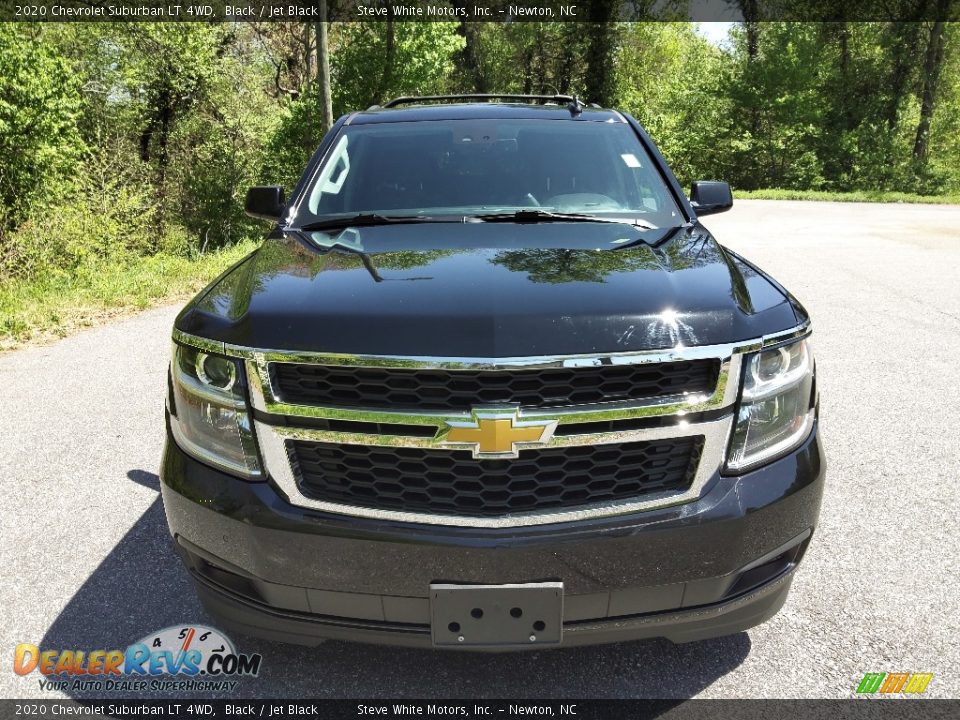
(453, 482)
(459, 390)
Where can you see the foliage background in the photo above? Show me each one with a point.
(127, 147)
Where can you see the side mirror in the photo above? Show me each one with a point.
(265, 202)
(710, 196)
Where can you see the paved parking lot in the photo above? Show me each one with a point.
(87, 561)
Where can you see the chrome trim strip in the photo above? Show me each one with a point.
(680, 352)
(200, 343)
(715, 433)
(262, 398)
(784, 336)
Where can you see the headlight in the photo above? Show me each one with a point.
(209, 416)
(776, 412)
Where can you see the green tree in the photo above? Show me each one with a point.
(167, 71)
(39, 107)
(669, 79)
(218, 148)
(374, 61)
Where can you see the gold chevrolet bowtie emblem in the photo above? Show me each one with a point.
(497, 433)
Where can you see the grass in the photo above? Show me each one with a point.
(45, 309)
(873, 196)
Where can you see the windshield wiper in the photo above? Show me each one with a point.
(538, 216)
(371, 219)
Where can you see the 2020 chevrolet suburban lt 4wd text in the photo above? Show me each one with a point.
(489, 384)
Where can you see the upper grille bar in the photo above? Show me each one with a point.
(720, 392)
(460, 390)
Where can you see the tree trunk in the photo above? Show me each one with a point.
(475, 57)
(310, 68)
(541, 66)
(157, 132)
(323, 70)
(309, 55)
(528, 71)
(600, 81)
(931, 71)
(389, 62)
(567, 61)
(846, 101)
(748, 8)
(905, 48)
(469, 61)
(751, 26)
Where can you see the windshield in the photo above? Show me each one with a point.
(489, 166)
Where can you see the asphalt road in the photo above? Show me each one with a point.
(87, 561)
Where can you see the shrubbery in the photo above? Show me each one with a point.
(39, 139)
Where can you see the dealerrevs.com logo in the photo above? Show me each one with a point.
(177, 658)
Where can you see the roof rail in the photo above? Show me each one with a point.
(412, 99)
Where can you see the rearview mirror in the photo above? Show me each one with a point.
(710, 196)
(265, 202)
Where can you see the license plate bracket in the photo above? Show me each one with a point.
(526, 614)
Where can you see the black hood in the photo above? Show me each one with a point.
(490, 290)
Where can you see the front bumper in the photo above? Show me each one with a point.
(712, 567)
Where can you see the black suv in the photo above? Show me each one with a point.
(490, 384)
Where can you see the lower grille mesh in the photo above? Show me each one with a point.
(453, 482)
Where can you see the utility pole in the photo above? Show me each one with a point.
(323, 69)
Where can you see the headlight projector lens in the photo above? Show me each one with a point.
(216, 371)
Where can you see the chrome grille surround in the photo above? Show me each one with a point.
(715, 432)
